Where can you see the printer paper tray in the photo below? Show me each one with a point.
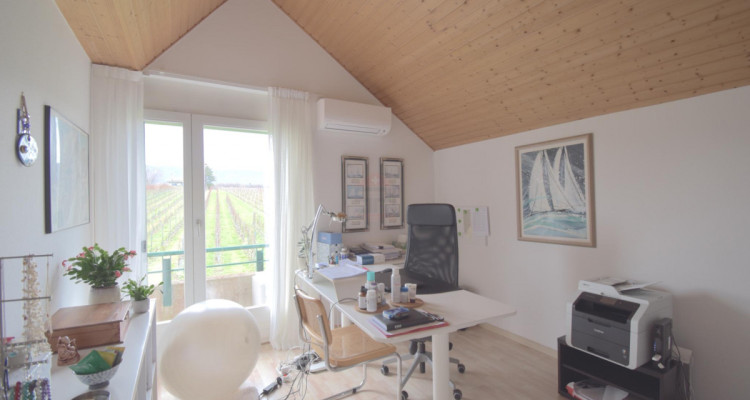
(614, 352)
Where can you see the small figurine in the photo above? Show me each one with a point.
(67, 353)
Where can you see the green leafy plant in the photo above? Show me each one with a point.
(97, 267)
(139, 290)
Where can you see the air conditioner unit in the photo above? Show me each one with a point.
(345, 116)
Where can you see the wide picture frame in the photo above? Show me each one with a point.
(66, 173)
(555, 191)
(354, 193)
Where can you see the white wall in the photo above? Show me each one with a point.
(671, 188)
(252, 42)
(42, 58)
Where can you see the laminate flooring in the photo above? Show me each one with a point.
(496, 368)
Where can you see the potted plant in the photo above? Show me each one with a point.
(139, 292)
(99, 269)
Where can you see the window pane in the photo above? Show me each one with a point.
(235, 173)
(165, 216)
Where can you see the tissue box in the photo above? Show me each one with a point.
(329, 237)
(326, 250)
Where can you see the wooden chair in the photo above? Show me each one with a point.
(341, 348)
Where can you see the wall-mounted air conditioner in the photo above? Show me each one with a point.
(347, 117)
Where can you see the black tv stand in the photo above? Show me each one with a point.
(646, 382)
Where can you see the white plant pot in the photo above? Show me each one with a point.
(140, 306)
(104, 295)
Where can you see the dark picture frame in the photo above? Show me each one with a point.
(555, 191)
(66, 173)
(355, 193)
(391, 193)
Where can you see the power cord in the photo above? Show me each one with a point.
(685, 386)
(299, 370)
(271, 387)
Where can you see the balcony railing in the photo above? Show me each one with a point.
(166, 264)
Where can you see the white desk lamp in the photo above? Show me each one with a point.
(335, 217)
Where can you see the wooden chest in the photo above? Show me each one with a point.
(92, 325)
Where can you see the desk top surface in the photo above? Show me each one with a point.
(460, 308)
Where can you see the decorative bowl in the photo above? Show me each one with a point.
(99, 379)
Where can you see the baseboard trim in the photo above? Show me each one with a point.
(520, 340)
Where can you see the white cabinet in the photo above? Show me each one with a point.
(136, 376)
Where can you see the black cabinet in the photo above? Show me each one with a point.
(645, 382)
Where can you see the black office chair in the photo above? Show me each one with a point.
(432, 263)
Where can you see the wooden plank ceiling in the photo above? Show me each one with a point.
(132, 33)
(462, 71)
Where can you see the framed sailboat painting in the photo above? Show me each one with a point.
(555, 191)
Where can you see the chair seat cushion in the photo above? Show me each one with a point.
(352, 346)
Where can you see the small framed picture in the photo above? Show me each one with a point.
(555, 191)
(391, 193)
(354, 193)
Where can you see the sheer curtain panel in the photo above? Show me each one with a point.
(117, 160)
(290, 126)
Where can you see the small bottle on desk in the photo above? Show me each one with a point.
(395, 286)
(362, 298)
(372, 300)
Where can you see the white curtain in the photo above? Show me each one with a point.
(290, 118)
(117, 161)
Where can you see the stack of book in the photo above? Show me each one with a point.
(414, 321)
(389, 251)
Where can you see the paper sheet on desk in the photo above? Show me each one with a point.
(341, 271)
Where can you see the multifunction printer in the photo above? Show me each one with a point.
(613, 319)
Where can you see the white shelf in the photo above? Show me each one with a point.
(135, 378)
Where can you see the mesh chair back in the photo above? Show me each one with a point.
(432, 247)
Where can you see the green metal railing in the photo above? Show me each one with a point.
(166, 264)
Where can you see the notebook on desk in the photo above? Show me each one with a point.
(413, 318)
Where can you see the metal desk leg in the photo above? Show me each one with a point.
(441, 389)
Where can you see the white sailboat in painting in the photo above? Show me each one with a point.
(553, 187)
(556, 203)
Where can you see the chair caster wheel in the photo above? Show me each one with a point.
(461, 368)
(404, 395)
(457, 395)
(384, 370)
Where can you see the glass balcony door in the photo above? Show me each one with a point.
(206, 189)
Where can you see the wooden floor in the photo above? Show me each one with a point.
(496, 368)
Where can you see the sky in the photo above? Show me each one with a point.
(230, 153)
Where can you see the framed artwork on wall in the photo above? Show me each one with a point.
(354, 192)
(391, 193)
(66, 173)
(555, 191)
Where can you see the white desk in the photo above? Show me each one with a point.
(461, 309)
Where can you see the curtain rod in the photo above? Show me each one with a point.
(204, 81)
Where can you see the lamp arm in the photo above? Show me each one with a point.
(313, 227)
